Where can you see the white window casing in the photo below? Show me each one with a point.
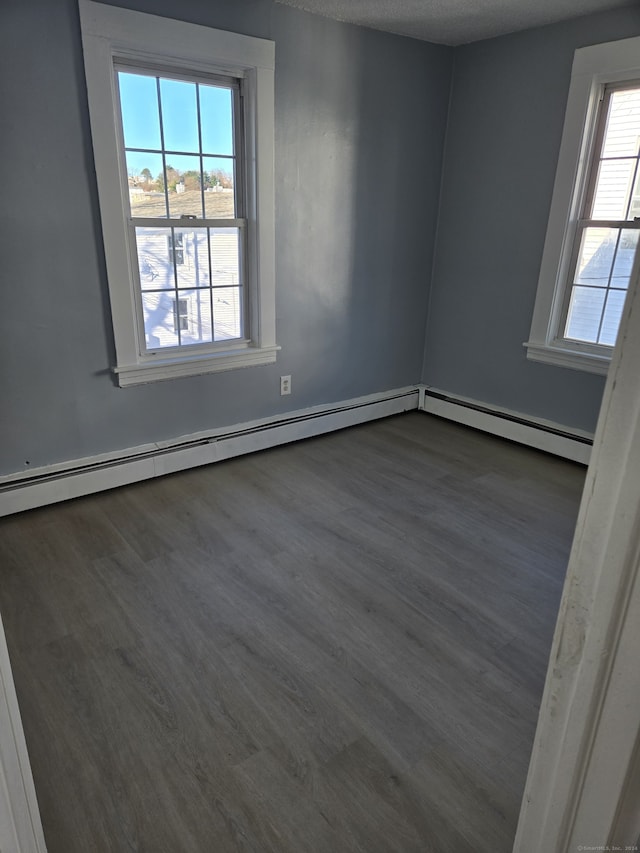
(112, 35)
(593, 68)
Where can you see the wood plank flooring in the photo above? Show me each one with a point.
(338, 646)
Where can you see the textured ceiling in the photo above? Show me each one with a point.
(454, 21)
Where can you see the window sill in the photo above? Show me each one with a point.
(565, 357)
(157, 370)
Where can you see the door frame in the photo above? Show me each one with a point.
(584, 772)
(20, 825)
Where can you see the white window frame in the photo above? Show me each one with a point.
(593, 68)
(110, 34)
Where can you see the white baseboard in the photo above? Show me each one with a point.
(544, 435)
(62, 481)
(75, 478)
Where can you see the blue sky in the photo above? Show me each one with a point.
(141, 122)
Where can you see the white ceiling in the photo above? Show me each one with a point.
(454, 21)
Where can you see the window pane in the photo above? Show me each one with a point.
(623, 125)
(227, 313)
(159, 325)
(146, 184)
(154, 260)
(225, 256)
(194, 252)
(195, 310)
(613, 188)
(624, 258)
(183, 184)
(611, 319)
(139, 106)
(216, 119)
(634, 207)
(595, 258)
(179, 116)
(585, 312)
(219, 196)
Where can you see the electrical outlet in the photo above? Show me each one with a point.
(285, 385)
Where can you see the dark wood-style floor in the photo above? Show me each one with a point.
(337, 646)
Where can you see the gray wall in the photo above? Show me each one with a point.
(505, 124)
(360, 119)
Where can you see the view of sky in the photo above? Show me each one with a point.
(177, 109)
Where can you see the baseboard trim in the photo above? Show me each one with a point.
(63, 481)
(538, 433)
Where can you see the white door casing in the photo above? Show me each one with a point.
(584, 764)
(20, 826)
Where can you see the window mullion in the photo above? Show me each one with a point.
(164, 157)
(609, 223)
(163, 222)
(175, 280)
(213, 319)
(200, 148)
(608, 287)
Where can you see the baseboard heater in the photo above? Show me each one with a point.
(516, 419)
(543, 435)
(50, 484)
(63, 481)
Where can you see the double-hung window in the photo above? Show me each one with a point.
(182, 126)
(607, 233)
(594, 224)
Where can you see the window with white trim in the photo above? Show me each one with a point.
(185, 185)
(607, 232)
(175, 247)
(593, 228)
(181, 314)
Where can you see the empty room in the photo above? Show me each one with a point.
(310, 307)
